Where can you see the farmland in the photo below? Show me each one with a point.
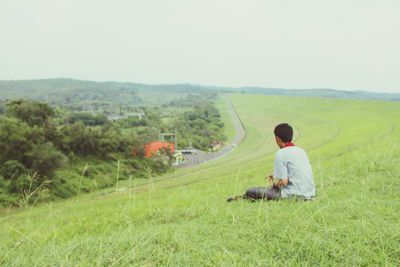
(182, 218)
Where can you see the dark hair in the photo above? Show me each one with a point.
(284, 131)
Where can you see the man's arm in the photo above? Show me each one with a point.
(280, 171)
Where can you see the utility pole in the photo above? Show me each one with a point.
(174, 134)
(176, 139)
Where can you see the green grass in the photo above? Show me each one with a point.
(182, 218)
(229, 129)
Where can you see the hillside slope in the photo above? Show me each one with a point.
(321, 93)
(182, 218)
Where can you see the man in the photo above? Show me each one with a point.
(292, 169)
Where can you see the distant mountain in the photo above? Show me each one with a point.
(64, 91)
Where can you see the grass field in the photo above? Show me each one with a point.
(182, 218)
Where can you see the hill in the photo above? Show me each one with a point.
(66, 91)
(182, 218)
(332, 93)
(69, 91)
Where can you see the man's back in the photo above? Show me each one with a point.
(292, 163)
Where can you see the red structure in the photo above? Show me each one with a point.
(153, 147)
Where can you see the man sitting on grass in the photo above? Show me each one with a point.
(292, 171)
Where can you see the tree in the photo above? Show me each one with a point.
(1, 107)
(88, 119)
(15, 139)
(12, 169)
(31, 112)
(45, 159)
(80, 139)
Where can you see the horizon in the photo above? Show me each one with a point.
(203, 85)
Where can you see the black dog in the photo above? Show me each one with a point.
(255, 193)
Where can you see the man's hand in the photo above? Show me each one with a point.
(270, 178)
(281, 183)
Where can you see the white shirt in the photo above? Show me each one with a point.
(292, 163)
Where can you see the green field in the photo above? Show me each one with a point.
(182, 218)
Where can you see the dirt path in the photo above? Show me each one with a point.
(201, 156)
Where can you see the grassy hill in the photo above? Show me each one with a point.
(183, 219)
(317, 92)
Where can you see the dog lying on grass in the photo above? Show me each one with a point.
(256, 193)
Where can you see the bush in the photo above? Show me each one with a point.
(16, 138)
(27, 184)
(31, 112)
(88, 119)
(3, 184)
(12, 169)
(21, 183)
(64, 187)
(45, 159)
(7, 200)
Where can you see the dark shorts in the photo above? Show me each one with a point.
(266, 193)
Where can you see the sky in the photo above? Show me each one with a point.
(341, 44)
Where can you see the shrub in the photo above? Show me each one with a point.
(12, 169)
(64, 187)
(15, 139)
(44, 159)
(88, 118)
(31, 112)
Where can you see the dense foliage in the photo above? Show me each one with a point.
(65, 152)
(33, 144)
(200, 127)
(87, 118)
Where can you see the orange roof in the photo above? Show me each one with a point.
(152, 147)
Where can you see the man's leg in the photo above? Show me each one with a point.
(254, 193)
(273, 193)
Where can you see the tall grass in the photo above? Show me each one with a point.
(81, 179)
(32, 194)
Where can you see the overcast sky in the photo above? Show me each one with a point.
(340, 44)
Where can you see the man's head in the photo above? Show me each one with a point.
(283, 134)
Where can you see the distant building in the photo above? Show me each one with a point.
(115, 117)
(216, 145)
(179, 158)
(151, 149)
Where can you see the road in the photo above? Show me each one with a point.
(201, 156)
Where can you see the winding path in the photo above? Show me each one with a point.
(201, 156)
